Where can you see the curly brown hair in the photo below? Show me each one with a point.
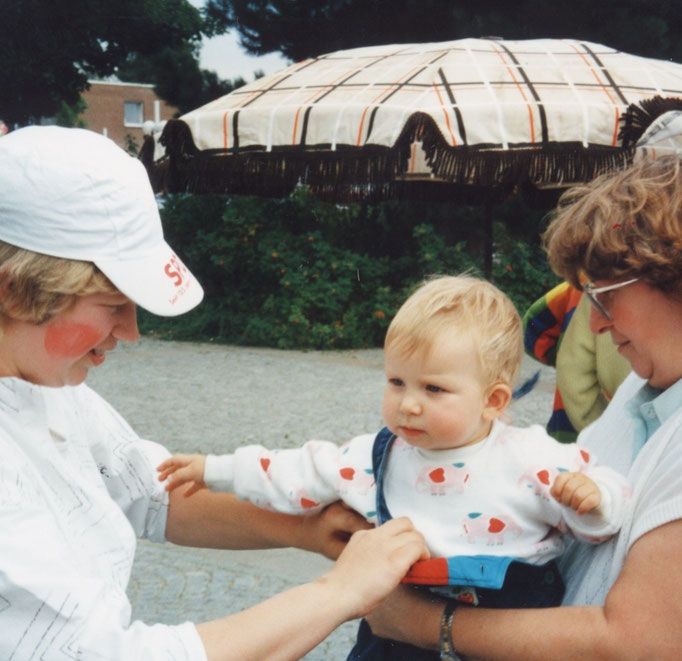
(622, 225)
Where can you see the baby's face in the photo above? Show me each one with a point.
(436, 399)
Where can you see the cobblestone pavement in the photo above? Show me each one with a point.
(209, 398)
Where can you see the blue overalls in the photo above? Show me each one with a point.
(487, 581)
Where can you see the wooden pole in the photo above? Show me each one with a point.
(488, 242)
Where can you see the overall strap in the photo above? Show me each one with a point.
(380, 450)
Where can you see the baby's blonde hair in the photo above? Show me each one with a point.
(35, 287)
(462, 304)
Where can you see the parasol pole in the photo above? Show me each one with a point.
(488, 242)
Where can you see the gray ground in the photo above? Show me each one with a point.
(207, 398)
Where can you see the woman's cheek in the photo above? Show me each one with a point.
(70, 340)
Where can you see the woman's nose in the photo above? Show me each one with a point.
(126, 325)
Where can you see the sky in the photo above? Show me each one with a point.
(228, 59)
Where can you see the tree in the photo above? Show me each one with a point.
(70, 115)
(49, 49)
(177, 77)
(300, 29)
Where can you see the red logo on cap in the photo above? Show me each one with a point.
(175, 270)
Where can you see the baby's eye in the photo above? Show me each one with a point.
(432, 388)
(396, 382)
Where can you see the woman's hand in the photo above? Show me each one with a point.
(408, 615)
(291, 623)
(372, 565)
(328, 531)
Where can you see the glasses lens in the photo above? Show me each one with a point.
(596, 303)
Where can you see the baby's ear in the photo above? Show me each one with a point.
(497, 400)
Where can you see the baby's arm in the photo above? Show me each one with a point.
(577, 491)
(583, 497)
(183, 468)
(291, 481)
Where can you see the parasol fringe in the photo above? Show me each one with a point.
(639, 116)
(560, 164)
(375, 171)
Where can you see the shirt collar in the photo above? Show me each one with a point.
(654, 406)
(36, 405)
(668, 402)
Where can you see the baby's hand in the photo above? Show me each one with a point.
(577, 491)
(183, 468)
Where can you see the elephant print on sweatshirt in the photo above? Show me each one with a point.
(493, 529)
(436, 480)
(540, 479)
(354, 479)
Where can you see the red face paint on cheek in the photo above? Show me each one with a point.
(71, 340)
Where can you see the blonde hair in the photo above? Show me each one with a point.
(456, 304)
(622, 225)
(35, 287)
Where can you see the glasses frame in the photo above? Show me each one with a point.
(591, 292)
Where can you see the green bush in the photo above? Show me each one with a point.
(299, 273)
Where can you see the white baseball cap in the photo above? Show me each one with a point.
(73, 193)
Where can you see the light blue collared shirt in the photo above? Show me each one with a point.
(649, 409)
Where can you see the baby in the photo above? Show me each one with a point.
(493, 501)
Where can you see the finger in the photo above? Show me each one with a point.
(408, 537)
(559, 485)
(401, 537)
(349, 520)
(171, 464)
(397, 526)
(193, 489)
(163, 475)
(567, 484)
(580, 493)
(591, 502)
(408, 549)
(175, 483)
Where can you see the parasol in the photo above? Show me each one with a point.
(471, 113)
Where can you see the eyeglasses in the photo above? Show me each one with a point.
(592, 292)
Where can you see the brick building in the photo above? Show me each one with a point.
(118, 109)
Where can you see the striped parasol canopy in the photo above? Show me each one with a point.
(469, 113)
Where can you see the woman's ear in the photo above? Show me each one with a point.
(497, 400)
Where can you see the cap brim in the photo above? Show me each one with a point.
(159, 282)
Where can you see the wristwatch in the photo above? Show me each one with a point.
(447, 650)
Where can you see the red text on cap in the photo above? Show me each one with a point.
(176, 270)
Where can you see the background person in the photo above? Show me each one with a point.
(624, 232)
(80, 244)
(589, 368)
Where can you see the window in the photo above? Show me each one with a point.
(132, 113)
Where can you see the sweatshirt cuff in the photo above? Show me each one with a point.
(219, 472)
(600, 524)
